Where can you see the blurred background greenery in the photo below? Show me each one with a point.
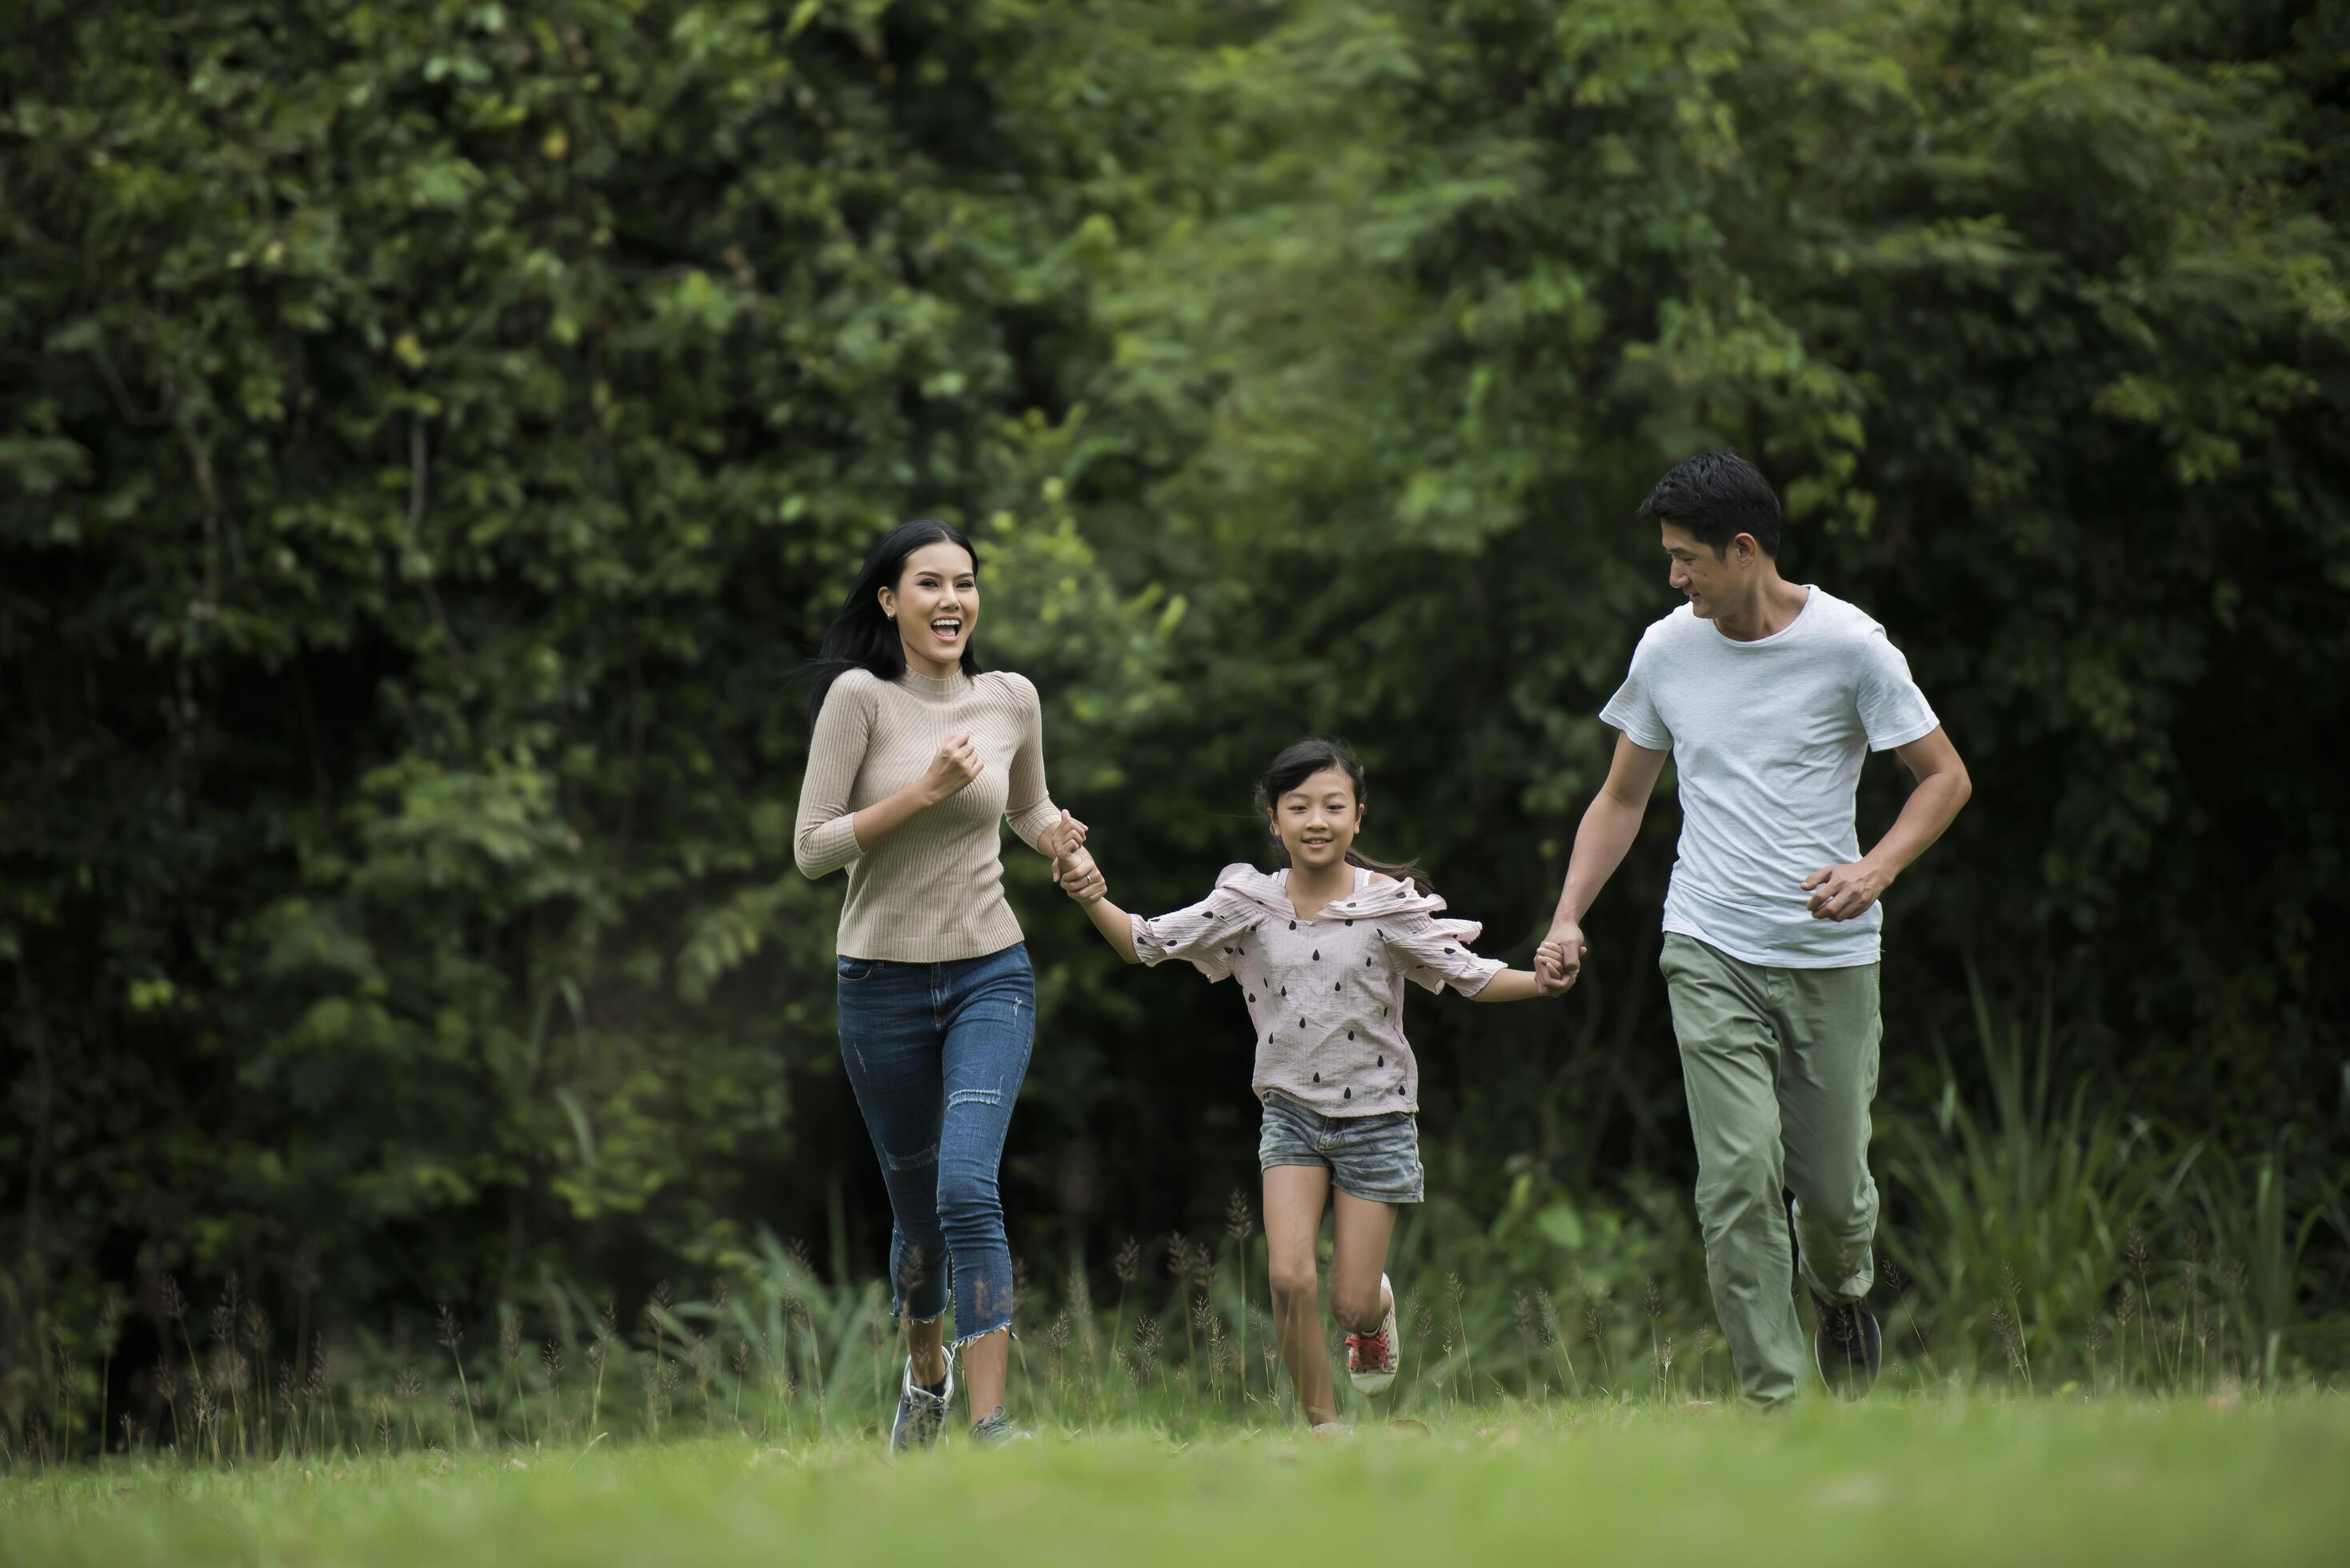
(431, 435)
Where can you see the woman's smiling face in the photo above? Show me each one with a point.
(1317, 821)
(936, 607)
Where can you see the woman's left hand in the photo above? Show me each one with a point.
(1063, 838)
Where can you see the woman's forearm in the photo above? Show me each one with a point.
(891, 813)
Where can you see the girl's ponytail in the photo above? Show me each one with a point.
(1407, 872)
(1300, 760)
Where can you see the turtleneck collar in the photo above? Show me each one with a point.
(933, 687)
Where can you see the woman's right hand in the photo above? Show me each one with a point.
(952, 770)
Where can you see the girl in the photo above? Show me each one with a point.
(915, 760)
(1321, 950)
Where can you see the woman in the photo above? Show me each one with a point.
(915, 759)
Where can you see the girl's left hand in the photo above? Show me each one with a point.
(1063, 838)
(1080, 879)
(1552, 978)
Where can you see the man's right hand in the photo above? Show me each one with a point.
(952, 770)
(1560, 957)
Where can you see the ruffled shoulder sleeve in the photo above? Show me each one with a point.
(1206, 933)
(1432, 951)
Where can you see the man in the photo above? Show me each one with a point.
(1767, 693)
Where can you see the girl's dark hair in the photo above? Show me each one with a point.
(1300, 760)
(860, 637)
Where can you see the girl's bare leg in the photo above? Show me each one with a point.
(1365, 1228)
(1294, 1197)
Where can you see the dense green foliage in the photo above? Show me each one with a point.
(431, 436)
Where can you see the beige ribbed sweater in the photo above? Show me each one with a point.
(934, 890)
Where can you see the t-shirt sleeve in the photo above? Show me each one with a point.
(1205, 933)
(1893, 711)
(1435, 954)
(1633, 709)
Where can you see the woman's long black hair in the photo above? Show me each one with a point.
(1300, 760)
(860, 637)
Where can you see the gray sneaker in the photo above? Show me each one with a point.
(995, 1430)
(921, 1421)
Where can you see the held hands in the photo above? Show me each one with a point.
(1063, 838)
(1080, 879)
(1842, 892)
(1558, 962)
(952, 770)
(1072, 864)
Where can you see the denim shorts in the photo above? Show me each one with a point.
(1371, 1157)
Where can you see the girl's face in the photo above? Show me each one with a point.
(936, 605)
(1317, 820)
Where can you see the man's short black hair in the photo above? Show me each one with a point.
(1717, 496)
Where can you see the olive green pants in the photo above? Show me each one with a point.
(1780, 1066)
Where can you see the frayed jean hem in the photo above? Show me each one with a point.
(964, 1339)
(898, 1312)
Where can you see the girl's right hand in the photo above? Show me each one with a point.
(952, 770)
(1081, 879)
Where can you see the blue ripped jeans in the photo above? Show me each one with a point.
(936, 1053)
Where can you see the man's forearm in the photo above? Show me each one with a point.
(1604, 834)
(1932, 808)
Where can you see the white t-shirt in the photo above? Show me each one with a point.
(1767, 739)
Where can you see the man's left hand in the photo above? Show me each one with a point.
(1844, 892)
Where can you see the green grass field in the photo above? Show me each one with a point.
(1892, 1484)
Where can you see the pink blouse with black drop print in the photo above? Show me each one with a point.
(1326, 994)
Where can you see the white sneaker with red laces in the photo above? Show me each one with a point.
(1372, 1358)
